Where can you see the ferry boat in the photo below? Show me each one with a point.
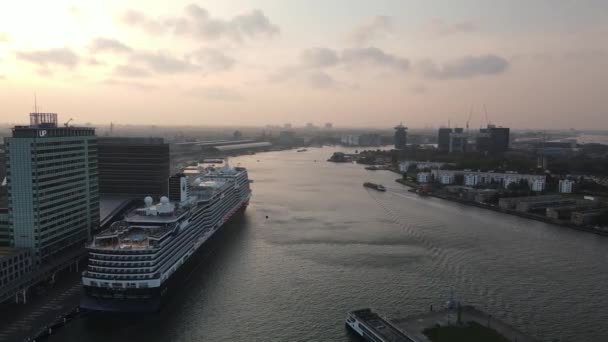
(374, 328)
(139, 260)
(374, 186)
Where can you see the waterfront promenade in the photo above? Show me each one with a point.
(415, 325)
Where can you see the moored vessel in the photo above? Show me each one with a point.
(374, 186)
(135, 263)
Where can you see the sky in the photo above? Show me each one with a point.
(355, 63)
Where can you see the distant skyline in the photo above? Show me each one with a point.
(355, 63)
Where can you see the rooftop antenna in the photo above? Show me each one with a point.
(35, 103)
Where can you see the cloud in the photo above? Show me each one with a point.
(196, 22)
(418, 89)
(585, 55)
(130, 71)
(94, 62)
(4, 37)
(135, 85)
(74, 11)
(465, 67)
(374, 56)
(138, 19)
(440, 27)
(320, 79)
(163, 63)
(59, 56)
(213, 59)
(109, 45)
(319, 57)
(45, 72)
(313, 61)
(377, 26)
(216, 93)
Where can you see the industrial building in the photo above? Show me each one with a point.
(239, 148)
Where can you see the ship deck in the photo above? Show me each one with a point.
(381, 327)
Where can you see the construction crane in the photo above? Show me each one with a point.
(469, 119)
(68, 122)
(486, 113)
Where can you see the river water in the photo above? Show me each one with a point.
(314, 244)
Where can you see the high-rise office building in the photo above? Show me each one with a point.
(53, 201)
(400, 137)
(493, 139)
(443, 139)
(134, 167)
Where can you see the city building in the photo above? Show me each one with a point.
(350, 140)
(133, 167)
(423, 177)
(587, 217)
(565, 186)
(287, 126)
(405, 165)
(458, 140)
(329, 125)
(15, 263)
(53, 201)
(370, 139)
(3, 192)
(287, 138)
(446, 179)
(493, 139)
(537, 185)
(472, 178)
(178, 188)
(400, 137)
(5, 228)
(443, 139)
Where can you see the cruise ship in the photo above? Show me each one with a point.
(139, 260)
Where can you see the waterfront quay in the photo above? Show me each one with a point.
(20, 322)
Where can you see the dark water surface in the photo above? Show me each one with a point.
(330, 245)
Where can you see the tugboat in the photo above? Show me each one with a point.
(374, 186)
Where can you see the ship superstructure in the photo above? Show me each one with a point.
(133, 264)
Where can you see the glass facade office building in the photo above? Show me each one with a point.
(52, 183)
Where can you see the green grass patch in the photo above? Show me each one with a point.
(469, 332)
